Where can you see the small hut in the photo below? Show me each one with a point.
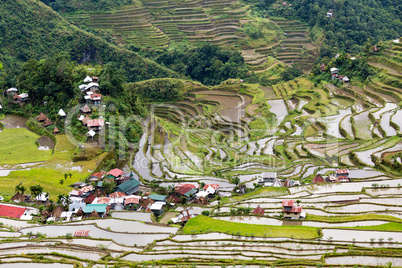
(89, 199)
(85, 120)
(85, 109)
(322, 67)
(56, 130)
(46, 214)
(47, 122)
(41, 117)
(146, 202)
(94, 214)
(259, 211)
(79, 213)
(18, 197)
(57, 212)
(99, 193)
(375, 49)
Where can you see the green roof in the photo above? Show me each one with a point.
(100, 208)
(189, 193)
(128, 185)
(158, 197)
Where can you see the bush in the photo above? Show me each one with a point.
(205, 213)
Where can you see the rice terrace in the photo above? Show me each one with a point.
(200, 133)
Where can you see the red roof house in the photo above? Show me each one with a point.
(11, 211)
(290, 210)
(117, 195)
(259, 211)
(90, 198)
(115, 173)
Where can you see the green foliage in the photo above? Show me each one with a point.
(109, 186)
(291, 73)
(207, 63)
(159, 90)
(19, 188)
(35, 190)
(353, 22)
(202, 224)
(30, 30)
(88, 5)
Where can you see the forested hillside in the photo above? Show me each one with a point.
(74, 5)
(353, 22)
(31, 30)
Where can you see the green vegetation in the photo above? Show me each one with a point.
(364, 217)
(19, 146)
(207, 63)
(203, 224)
(30, 30)
(89, 5)
(391, 227)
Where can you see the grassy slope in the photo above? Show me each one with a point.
(18, 146)
(202, 224)
(30, 29)
(51, 171)
(391, 226)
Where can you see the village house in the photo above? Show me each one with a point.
(17, 212)
(158, 197)
(259, 211)
(129, 187)
(131, 202)
(95, 124)
(95, 98)
(267, 178)
(342, 175)
(292, 211)
(158, 208)
(23, 97)
(85, 110)
(114, 174)
(61, 113)
(101, 210)
(186, 190)
(184, 216)
(318, 179)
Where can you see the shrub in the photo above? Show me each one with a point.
(205, 212)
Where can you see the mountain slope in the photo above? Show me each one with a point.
(30, 29)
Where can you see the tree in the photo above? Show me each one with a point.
(235, 180)
(61, 181)
(109, 186)
(63, 200)
(65, 176)
(36, 190)
(20, 188)
(298, 202)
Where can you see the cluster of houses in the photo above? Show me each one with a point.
(17, 98)
(270, 179)
(290, 210)
(341, 175)
(42, 118)
(92, 97)
(89, 201)
(336, 76)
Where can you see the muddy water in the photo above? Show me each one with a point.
(45, 143)
(397, 119)
(13, 121)
(385, 120)
(119, 238)
(332, 122)
(141, 162)
(364, 260)
(360, 236)
(342, 187)
(278, 107)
